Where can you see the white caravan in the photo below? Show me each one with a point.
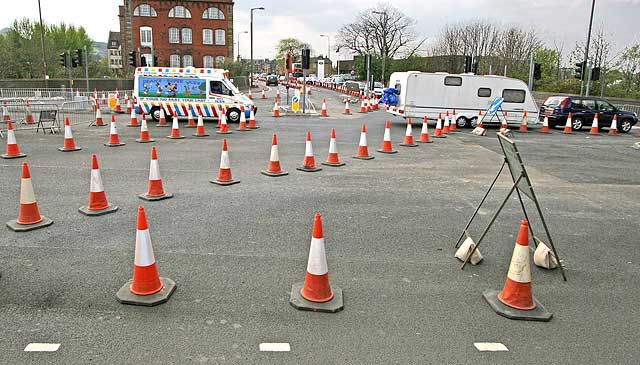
(429, 94)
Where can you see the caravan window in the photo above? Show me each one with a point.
(453, 81)
(484, 92)
(398, 87)
(513, 95)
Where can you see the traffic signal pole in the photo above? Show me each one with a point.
(86, 66)
(586, 52)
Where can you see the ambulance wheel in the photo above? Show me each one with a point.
(155, 114)
(233, 115)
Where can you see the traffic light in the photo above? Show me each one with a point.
(537, 71)
(76, 59)
(306, 58)
(63, 59)
(579, 70)
(143, 61)
(595, 74)
(467, 63)
(132, 58)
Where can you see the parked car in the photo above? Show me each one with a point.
(377, 88)
(272, 80)
(583, 109)
(282, 78)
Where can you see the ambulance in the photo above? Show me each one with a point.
(205, 91)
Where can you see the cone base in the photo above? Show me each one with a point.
(8, 157)
(200, 135)
(256, 127)
(346, 113)
(162, 125)
(172, 137)
(224, 183)
(95, 212)
(408, 145)
(17, 227)
(62, 149)
(334, 164)
(429, 141)
(443, 136)
(390, 151)
(363, 157)
(246, 129)
(274, 174)
(98, 125)
(334, 305)
(125, 296)
(145, 141)
(308, 169)
(151, 198)
(548, 132)
(537, 314)
(227, 132)
(114, 144)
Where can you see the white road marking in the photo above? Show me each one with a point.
(42, 347)
(490, 346)
(275, 347)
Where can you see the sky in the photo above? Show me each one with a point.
(561, 21)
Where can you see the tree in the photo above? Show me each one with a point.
(629, 65)
(292, 45)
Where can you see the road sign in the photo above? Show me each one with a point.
(295, 103)
(495, 105)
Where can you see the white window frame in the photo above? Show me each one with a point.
(207, 61)
(213, 13)
(187, 36)
(220, 40)
(144, 40)
(207, 39)
(174, 60)
(179, 11)
(187, 60)
(174, 35)
(145, 10)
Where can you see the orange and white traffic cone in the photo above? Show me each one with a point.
(276, 109)
(224, 174)
(568, 126)
(386, 140)
(99, 122)
(323, 112)
(155, 189)
(175, 130)
(6, 118)
(613, 130)
(363, 108)
(250, 95)
(200, 127)
(347, 110)
(523, 125)
(438, 132)
(309, 162)
(144, 133)
(545, 124)
(224, 127)
(503, 123)
(98, 204)
(29, 116)
(369, 104)
(242, 126)
(277, 94)
(13, 151)
(162, 122)
(190, 121)
(133, 119)
(29, 217)
(363, 148)
(118, 107)
(114, 139)
(453, 126)
(375, 103)
(274, 168)
(128, 110)
(332, 158)
(479, 124)
(252, 119)
(408, 136)
(447, 124)
(263, 95)
(315, 293)
(424, 133)
(516, 300)
(68, 144)
(146, 287)
(595, 129)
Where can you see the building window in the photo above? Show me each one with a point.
(174, 35)
(146, 37)
(186, 35)
(187, 61)
(220, 37)
(219, 61)
(174, 60)
(207, 61)
(144, 10)
(213, 13)
(179, 12)
(207, 36)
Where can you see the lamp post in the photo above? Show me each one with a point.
(251, 35)
(383, 50)
(244, 32)
(328, 49)
(44, 54)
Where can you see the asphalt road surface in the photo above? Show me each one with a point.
(390, 225)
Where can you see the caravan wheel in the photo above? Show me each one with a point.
(473, 122)
(462, 122)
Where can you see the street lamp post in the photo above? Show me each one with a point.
(244, 32)
(384, 48)
(44, 53)
(328, 49)
(251, 35)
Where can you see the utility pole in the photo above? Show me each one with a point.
(86, 66)
(251, 30)
(44, 52)
(586, 51)
(531, 72)
(383, 50)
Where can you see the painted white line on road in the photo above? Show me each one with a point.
(42, 347)
(275, 347)
(490, 346)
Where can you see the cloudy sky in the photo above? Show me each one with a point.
(562, 21)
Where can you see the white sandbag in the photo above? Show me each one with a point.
(544, 257)
(463, 252)
(479, 131)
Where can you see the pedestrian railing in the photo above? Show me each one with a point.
(630, 108)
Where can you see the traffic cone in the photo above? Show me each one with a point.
(263, 95)
(114, 139)
(408, 136)
(68, 144)
(162, 122)
(155, 190)
(277, 94)
(104, 99)
(424, 133)
(375, 103)
(190, 121)
(503, 123)
(250, 95)
(252, 119)
(133, 120)
(144, 133)
(99, 122)
(242, 126)
(128, 110)
(224, 127)
(595, 130)
(386, 141)
(363, 149)
(146, 287)
(224, 175)
(274, 168)
(315, 293)
(523, 126)
(369, 104)
(447, 125)
(6, 118)
(438, 132)
(200, 127)
(29, 117)
(175, 130)
(613, 130)
(309, 162)
(276, 109)
(323, 112)
(516, 301)
(29, 217)
(363, 108)
(98, 204)
(347, 111)
(332, 157)
(222, 114)
(13, 151)
(568, 129)
(479, 124)
(453, 127)
(545, 124)
(118, 108)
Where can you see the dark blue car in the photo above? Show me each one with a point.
(583, 109)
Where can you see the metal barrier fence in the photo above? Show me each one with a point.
(78, 112)
(25, 114)
(630, 108)
(59, 94)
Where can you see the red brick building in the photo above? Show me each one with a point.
(195, 33)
